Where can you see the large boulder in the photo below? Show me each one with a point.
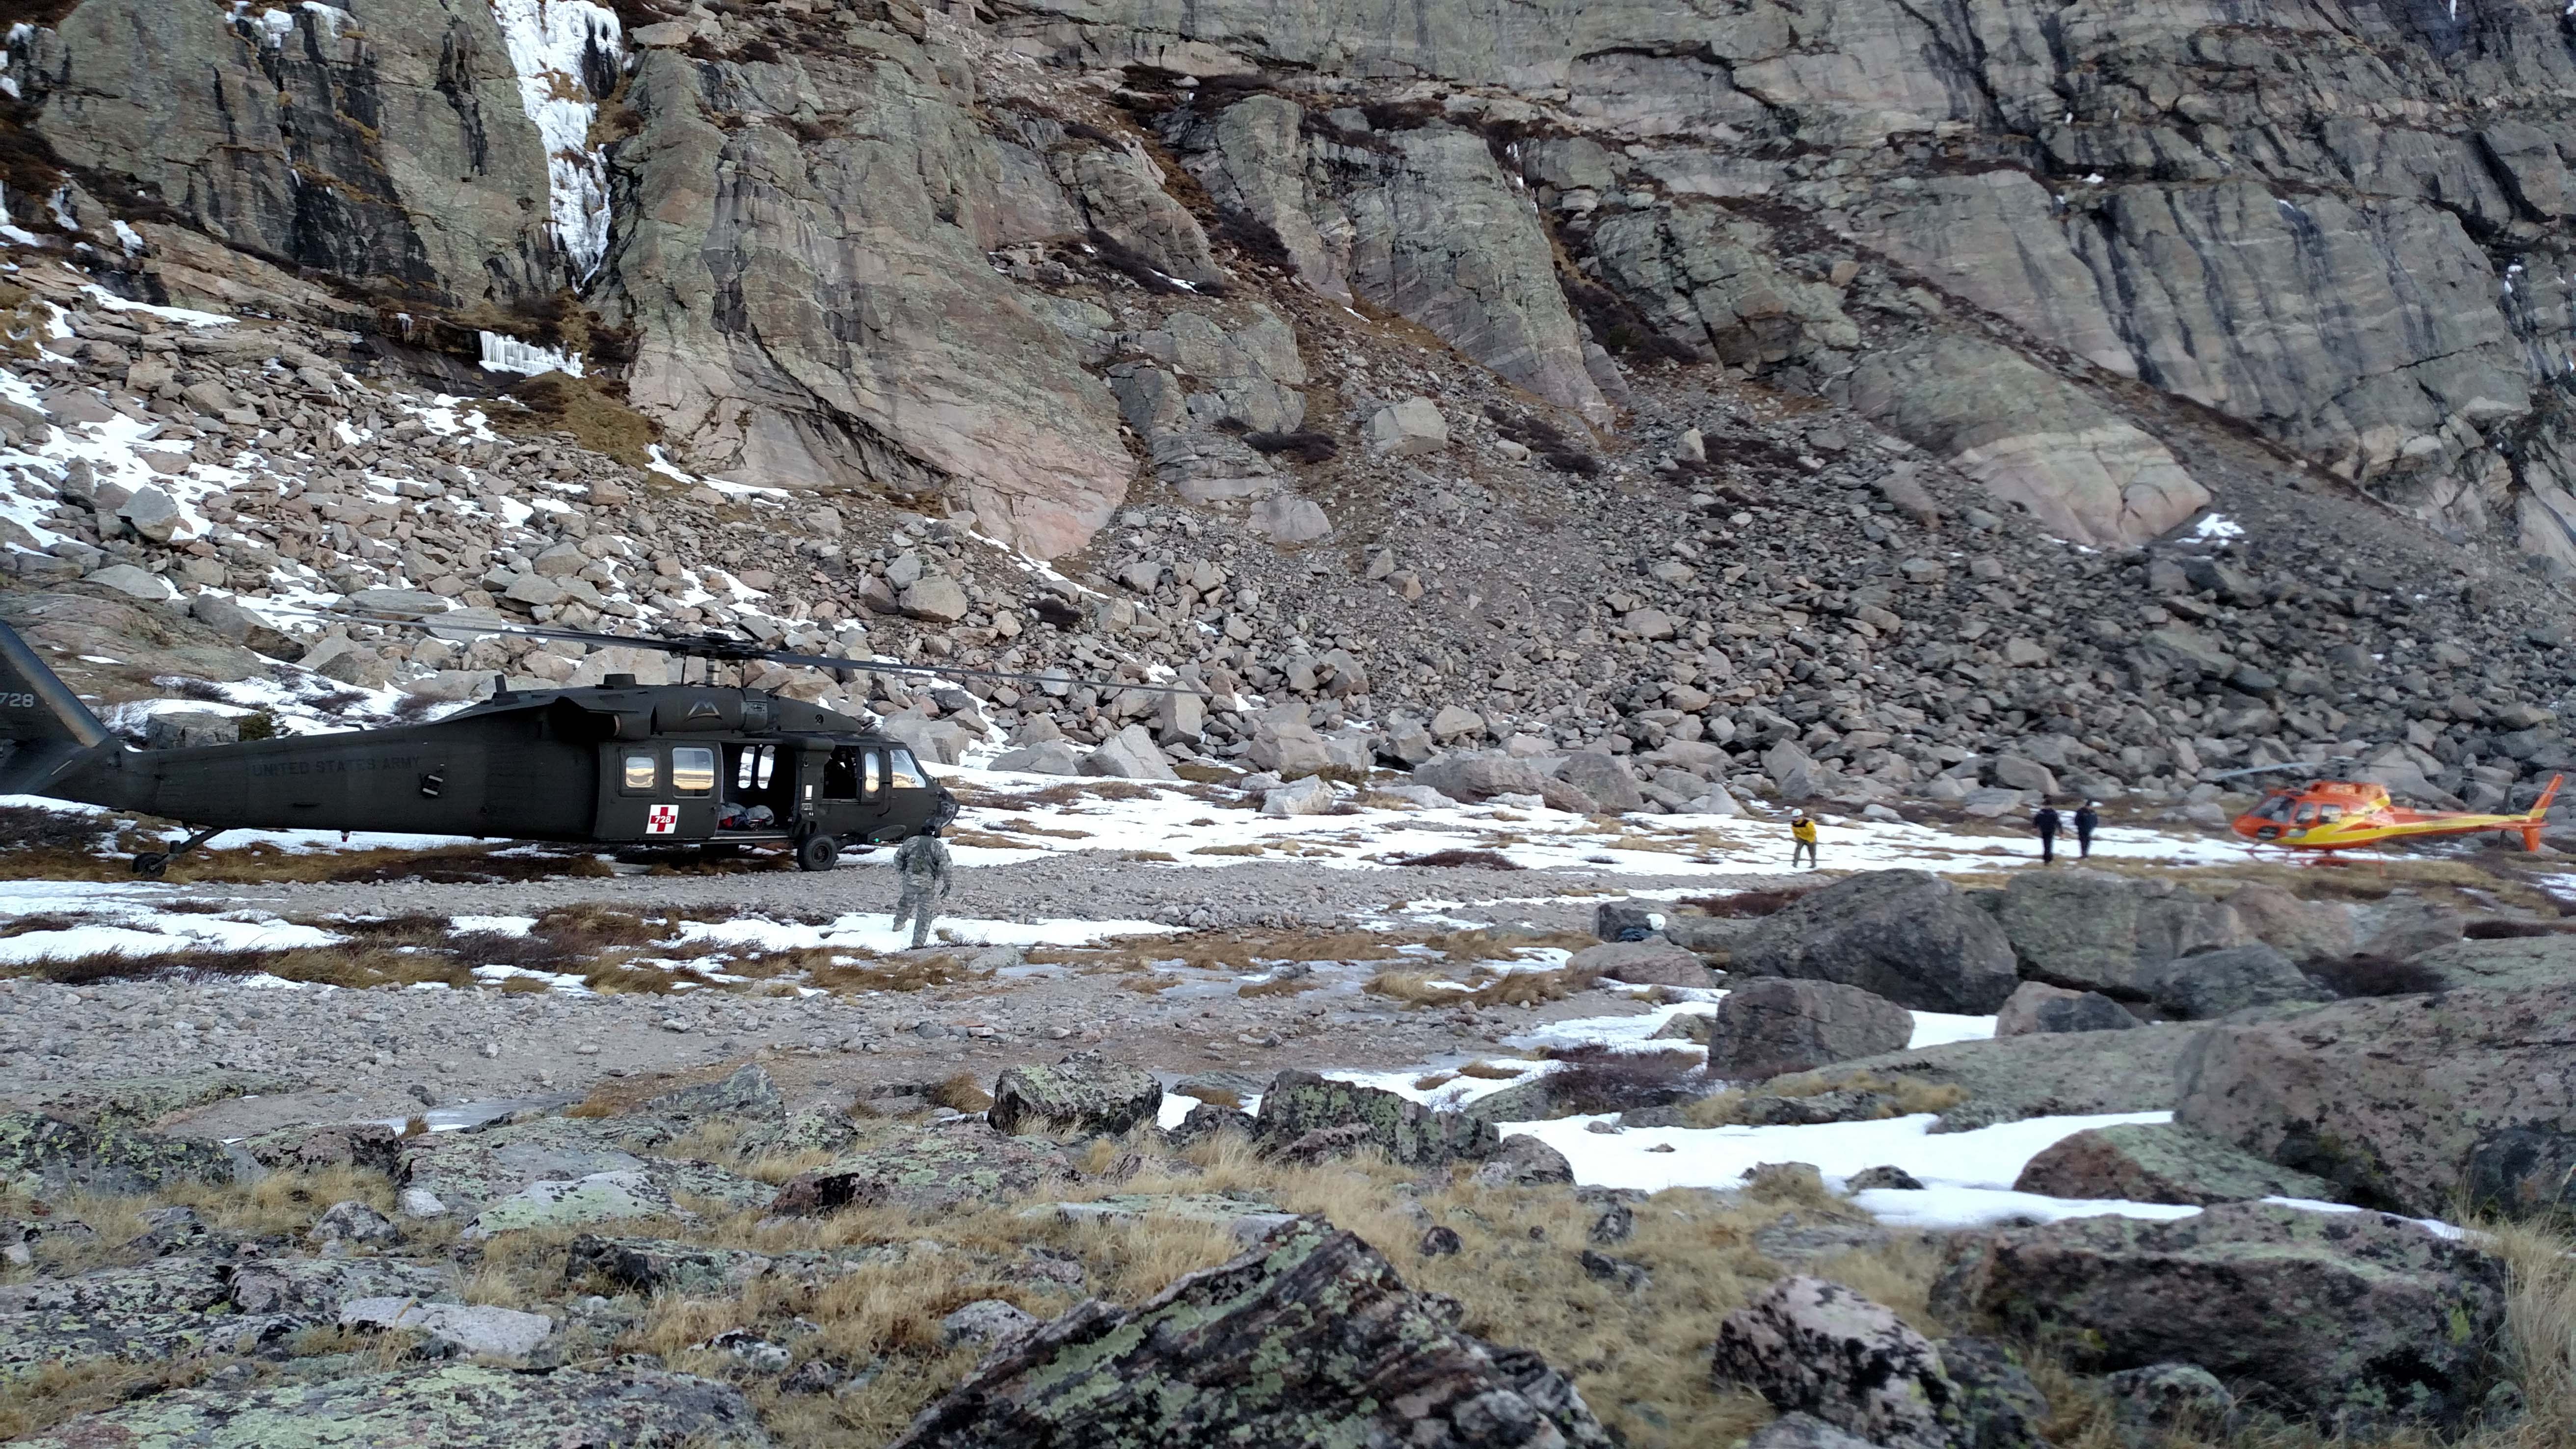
(465, 1171)
(1766, 1028)
(2160, 1162)
(1476, 776)
(1307, 1338)
(2215, 983)
(2304, 931)
(2075, 928)
(1651, 962)
(2047, 1074)
(1815, 1347)
(2095, 931)
(928, 1170)
(1906, 935)
(1605, 779)
(43, 1155)
(2350, 1318)
(2513, 961)
(2036, 1007)
(456, 1406)
(1301, 1103)
(2401, 1102)
(1085, 1094)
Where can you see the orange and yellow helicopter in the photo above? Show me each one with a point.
(2347, 814)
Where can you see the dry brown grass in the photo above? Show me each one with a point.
(1490, 945)
(1490, 1072)
(961, 1093)
(326, 965)
(1516, 988)
(1247, 847)
(1907, 1096)
(1149, 983)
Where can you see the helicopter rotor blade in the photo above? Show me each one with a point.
(719, 647)
(2312, 767)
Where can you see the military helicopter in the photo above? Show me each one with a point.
(2329, 814)
(620, 764)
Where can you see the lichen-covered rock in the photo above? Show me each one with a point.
(42, 1154)
(1769, 1027)
(187, 1304)
(2215, 983)
(929, 1169)
(984, 1323)
(478, 1329)
(1309, 1338)
(1816, 1347)
(2160, 1162)
(367, 1146)
(659, 1265)
(1084, 1095)
(2074, 928)
(2166, 1397)
(1652, 962)
(467, 1170)
(600, 1197)
(454, 1407)
(1525, 1161)
(1906, 935)
(2036, 1006)
(1803, 1431)
(803, 1132)
(2399, 1101)
(2350, 1318)
(144, 1101)
(354, 1222)
(1299, 1103)
(746, 1092)
(1207, 1119)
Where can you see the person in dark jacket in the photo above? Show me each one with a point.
(2046, 823)
(2085, 821)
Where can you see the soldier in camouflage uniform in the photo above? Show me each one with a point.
(923, 859)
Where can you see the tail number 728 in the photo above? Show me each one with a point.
(17, 701)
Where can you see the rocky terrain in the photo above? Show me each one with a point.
(1695, 1187)
(1903, 406)
(1528, 448)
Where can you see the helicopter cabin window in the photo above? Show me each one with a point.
(2307, 815)
(693, 769)
(2276, 808)
(872, 781)
(902, 773)
(841, 774)
(643, 773)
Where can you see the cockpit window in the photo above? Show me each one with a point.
(2276, 808)
(902, 773)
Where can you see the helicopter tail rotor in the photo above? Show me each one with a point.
(45, 730)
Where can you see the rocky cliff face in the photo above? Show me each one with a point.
(1624, 372)
(1986, 225)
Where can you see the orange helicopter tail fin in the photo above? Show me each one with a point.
(2539, 812)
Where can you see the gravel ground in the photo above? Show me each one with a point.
(1091, 886)
(391, 1053)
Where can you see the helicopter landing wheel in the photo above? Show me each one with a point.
(150, 864)
(818, 852)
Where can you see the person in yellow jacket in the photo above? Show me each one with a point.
(1802, 829)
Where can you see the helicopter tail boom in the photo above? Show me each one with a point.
(45, 730)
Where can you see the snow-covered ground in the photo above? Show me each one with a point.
(1193, 830)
